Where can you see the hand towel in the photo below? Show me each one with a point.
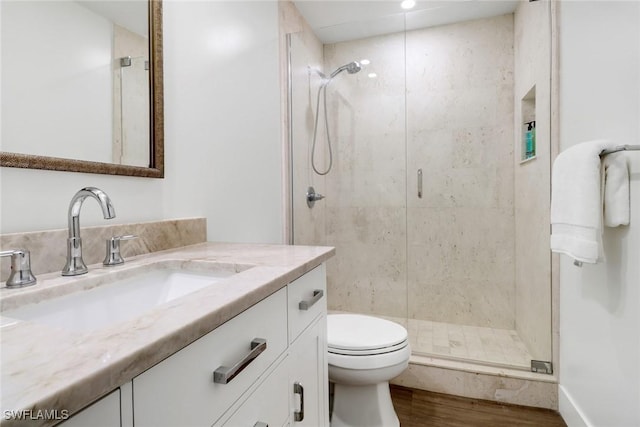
(616, 190)
(576, 201)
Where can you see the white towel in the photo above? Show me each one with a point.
(576, 201)
(616, 190)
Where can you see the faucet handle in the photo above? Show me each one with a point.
(21, 274)
(113, 256)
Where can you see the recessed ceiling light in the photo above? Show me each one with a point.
(408, 4)
(372, 75)
(365, 62)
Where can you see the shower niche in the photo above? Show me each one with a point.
(445, 252)
(528, 139)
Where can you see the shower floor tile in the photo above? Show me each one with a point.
(464, 342)
(480, 344)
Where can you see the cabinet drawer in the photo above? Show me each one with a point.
(304, 300)
(180, 390)
(268, 404)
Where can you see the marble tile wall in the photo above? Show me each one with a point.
(459, 132)
(448, 256)
(366, 192)
(49, 248)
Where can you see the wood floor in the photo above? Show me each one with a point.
(418, 408)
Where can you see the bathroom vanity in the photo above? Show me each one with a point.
(247, 349)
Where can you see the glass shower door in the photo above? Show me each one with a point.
(437, 224)
(478, 264)
(131, 112)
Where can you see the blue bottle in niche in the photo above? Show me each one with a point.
(530, 139)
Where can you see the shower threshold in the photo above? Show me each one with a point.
(482, 345)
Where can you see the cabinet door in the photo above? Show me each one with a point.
(268, 405)
(103, 413)
(308, 378)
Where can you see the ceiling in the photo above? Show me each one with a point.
(336, 20)
(130, 14)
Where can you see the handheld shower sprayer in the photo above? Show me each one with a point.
(351, 68)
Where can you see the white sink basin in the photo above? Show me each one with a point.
(118, 301)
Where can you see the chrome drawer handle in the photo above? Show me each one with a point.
(306, 304)
(298, 389)
(260, 424)
(224, 375)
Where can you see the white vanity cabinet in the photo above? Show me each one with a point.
(299, 383)
(285, 382)
(308, 350)
(103, 413)
(180, 390)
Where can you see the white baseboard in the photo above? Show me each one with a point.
(569, 411)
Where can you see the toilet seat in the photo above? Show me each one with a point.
(357, 341)
(370, 361)
(368, 352)
(360, 334)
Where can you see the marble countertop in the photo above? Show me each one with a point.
(46, 368)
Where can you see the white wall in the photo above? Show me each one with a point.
(222, 135)
(56, 56)
(600, 305)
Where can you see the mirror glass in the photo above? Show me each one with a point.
(81, 86)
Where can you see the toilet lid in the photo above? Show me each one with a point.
(356, 332)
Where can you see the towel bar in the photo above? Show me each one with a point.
(604, 153)
(620, 148)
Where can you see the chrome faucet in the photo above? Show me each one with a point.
(21, 274)
(75, 264)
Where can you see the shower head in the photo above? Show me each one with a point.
(351, 67)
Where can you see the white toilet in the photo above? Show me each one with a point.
(365, 352)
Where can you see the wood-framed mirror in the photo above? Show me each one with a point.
(148, 102)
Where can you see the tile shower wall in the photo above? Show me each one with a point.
(454, 247)
(366, 191)
(459, 132)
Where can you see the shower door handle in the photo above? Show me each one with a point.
(420, 183)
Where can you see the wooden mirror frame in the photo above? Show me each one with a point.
(156, 118)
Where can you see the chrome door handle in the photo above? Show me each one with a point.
(306, 304)
(298, 389)
(224, 374)
(420, 183)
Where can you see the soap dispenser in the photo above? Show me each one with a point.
(530, 140)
